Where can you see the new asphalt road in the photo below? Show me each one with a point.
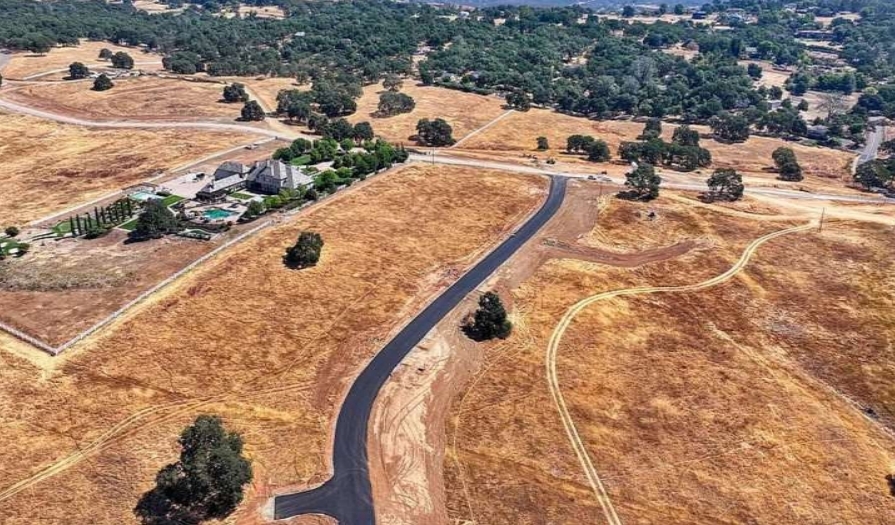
(347, 495)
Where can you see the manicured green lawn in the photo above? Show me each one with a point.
(129, 225)
(301, 161)
(7, 245)
(171, 200)
(64, 227)
(241, 196)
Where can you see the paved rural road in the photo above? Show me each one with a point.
(444, 157)
(874, 140)
(347, 495)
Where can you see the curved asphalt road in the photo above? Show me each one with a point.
(347, 496)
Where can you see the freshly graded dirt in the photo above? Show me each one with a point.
(465, 112)
(50, 166)
(721, 406)
(138, 98)
(269, 348)
(25, 64)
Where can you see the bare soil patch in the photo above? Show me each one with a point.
(270, 349)
(64, 287)
(50, 166)
(465, 112)
(139, 98)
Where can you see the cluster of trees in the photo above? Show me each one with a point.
(154, 222)
(357, 165)
(683, 152)
(788, 167)
(235, 92)
(339, 138)
(489, 320)
(878, 99)
(381, 38)
(434, 133)
(877, 173)
(597, 150)
(208, 481)
(392, 103)
(104, 218)
(305, 252)
(730, 127)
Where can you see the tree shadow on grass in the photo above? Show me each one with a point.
(154, 508)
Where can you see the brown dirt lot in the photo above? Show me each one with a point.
(139, 98)
(67, 286)
(465, 112)
(714, 407)
(25, 64)
(50, 166)
(270, 349)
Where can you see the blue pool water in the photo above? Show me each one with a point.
(217, 213)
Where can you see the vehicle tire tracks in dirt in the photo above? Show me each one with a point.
(574, 437)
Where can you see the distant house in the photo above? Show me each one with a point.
(272, 176)
(229, 177)
(700, 15)
(818, 132)
(815, 34)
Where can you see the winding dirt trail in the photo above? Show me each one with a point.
(575, 440)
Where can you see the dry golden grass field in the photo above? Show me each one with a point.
(268, 11)
(25, 64)
(50, 166)
(138, 98)
(728, 405)
(153, 7)
(269, 348)
(516, 135)
(465, 112)
(769, 76)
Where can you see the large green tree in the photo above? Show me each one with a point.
(235, 92)
(788, 167)
(205, 484)
(154, 221)
(77, 71)
(725, 184)
(122, 60)
(434, 133)
(489, 320)
(306, 250)
(102, 83)
(252, 111)
(643, 183)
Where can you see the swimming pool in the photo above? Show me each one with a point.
(143, 196)
(217, 213)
